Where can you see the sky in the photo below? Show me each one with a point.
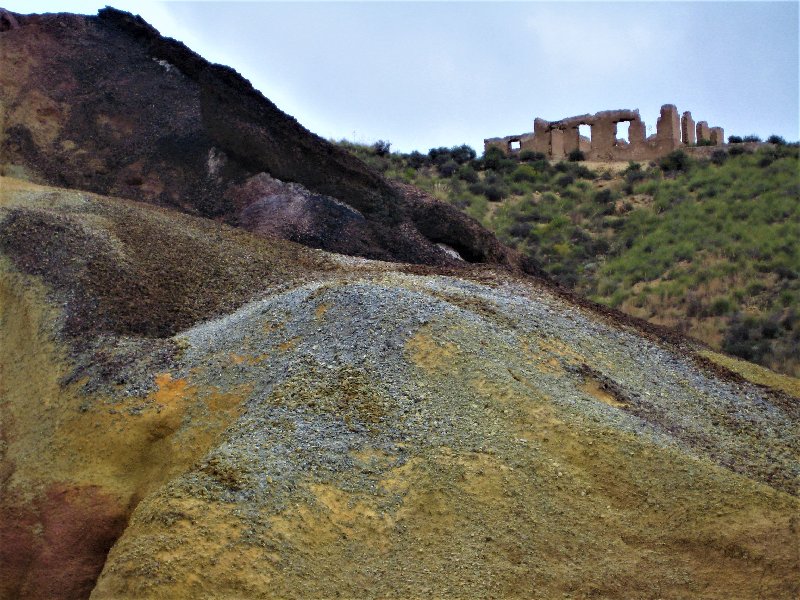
(429, 74)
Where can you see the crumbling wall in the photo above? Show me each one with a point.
(557, 139)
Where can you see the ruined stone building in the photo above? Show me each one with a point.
(556, 139)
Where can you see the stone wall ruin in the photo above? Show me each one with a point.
(556, 139)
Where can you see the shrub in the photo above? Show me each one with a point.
(674, 162)
(447, 168)
(720, 306)
(495, 193)
(531, 156)
(705, 143)
(734, 139)
(565, 180)
(575, 169)
(519, 230)
(777, 140)
(576, 156)
(417, 160)
(477, 188)
(525, 173)
(718, 157)
(494, 158)
(463, 154)
(737, 150)
(603, 196)
(468, 174)
(382, 148)
(751, 138)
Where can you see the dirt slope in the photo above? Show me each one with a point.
(266, 420)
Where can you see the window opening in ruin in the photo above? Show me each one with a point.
(623, 130)
(585, 131)
(514, 145)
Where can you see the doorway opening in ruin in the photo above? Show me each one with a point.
(622, 136)
(514, 145)
(585, 131)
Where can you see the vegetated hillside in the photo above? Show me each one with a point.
(709, 246)
(108, 105)
(190, 410)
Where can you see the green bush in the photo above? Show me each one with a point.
(719, 156)
(463, 154)
(720, 306)
(447, 168)
(495, 159)
(564, 180)
(734, 139)
(468, 174)
(417, 160)
(382, 148)
(674, 162)
(525, 173)
(751, 138)
(576, 156)
(603, 196)
(531, 156)
(777, 140)
(495, 193)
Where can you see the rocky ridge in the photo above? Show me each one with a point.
(108, 105)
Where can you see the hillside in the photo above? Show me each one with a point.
(195, 407)
(708, 245)
(340, 426)
(106, 104)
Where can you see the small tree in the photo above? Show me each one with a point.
(463, 154)
(382, 148)
(734, 139)
(417, 160)
(776, 139)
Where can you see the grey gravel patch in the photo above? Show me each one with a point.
(314, 339)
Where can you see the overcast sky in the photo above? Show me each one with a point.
(425, 74)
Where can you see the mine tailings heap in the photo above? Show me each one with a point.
(557, 139)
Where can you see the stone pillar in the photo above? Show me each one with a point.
(703, 132)
(636, 132)
(688, 129)
(541, 136)
(717, 136)
(604, 136)
(557, 143)
(668, 127)
(572, 140)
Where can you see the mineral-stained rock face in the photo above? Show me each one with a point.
(106, 104)
(339, 427)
